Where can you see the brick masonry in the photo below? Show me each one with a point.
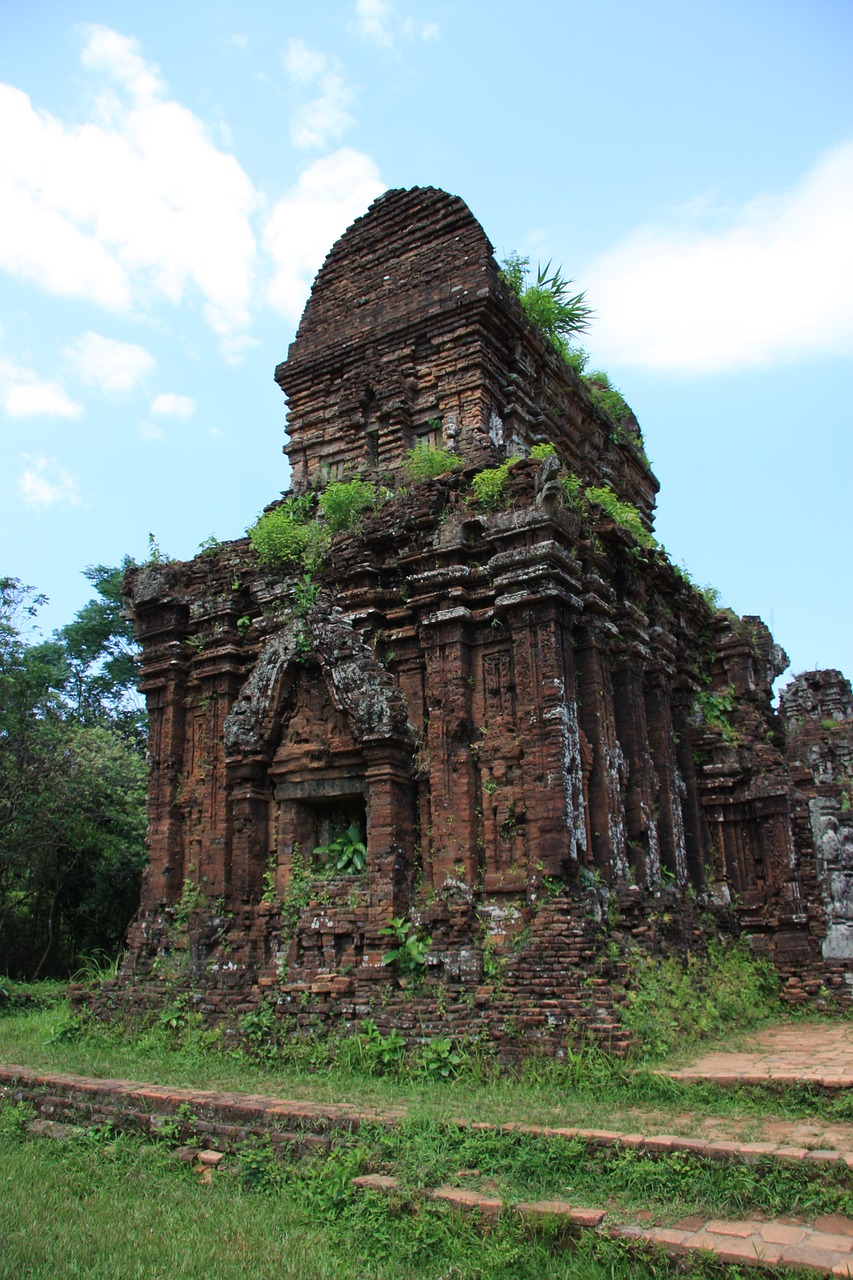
(554, 748)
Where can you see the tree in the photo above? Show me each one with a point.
(72, 782)
(101, 654)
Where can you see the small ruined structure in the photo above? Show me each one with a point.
(549, 744)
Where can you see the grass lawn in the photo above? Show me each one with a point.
(116, 1208)
(102, 1205)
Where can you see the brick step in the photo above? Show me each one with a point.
(825, 1249)
(777, 1078)
(233, 1116)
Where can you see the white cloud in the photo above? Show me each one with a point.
(373, 21)
(133, 205)
(169, 405)
(23, 394)
(150, 430)
(304, 65)
(771, 282)
(302, 226)
(112, 366)
(324, 118)
(116, 56)
(234, 349)
(376, 21)
(44, 483)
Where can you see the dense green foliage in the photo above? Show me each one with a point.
(100, 655)
(540, 452)
(291, 535)
(288, 536)
(425, 461)
(490, 486)
(344, 502)
(72, 781)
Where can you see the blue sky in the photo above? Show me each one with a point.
(171, 177)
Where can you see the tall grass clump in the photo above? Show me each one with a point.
(548, 303)
(673, 1002)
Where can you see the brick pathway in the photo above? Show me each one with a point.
(225, 1117)
(759, 1244)
(825, 1249)
(807, 1053)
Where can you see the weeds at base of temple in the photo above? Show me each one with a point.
(671, 1005)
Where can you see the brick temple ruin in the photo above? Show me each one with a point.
(553, 748)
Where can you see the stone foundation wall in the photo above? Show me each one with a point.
(555, 979)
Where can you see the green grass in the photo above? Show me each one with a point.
(521, 1166)
(105, 1207)
(30, 995)
(588, 1091)
(261, 1216)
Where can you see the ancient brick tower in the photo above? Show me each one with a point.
(548, 741)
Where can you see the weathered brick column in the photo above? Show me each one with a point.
(598, 721)
(446, 639)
